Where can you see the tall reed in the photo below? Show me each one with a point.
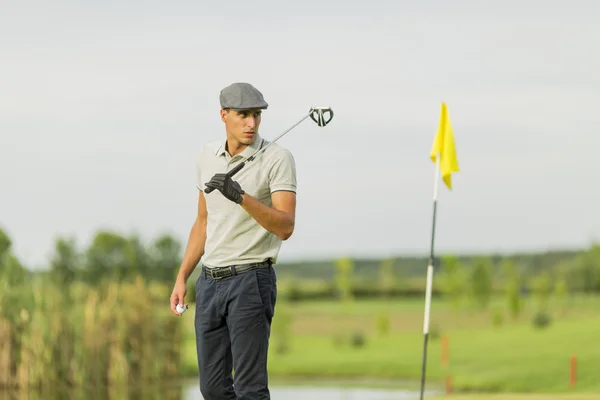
(113, 337)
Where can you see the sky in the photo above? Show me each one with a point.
(104, 107)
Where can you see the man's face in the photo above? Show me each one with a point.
(241, 126)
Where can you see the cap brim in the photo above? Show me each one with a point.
(247, 108)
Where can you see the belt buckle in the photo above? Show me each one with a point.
(220, 274)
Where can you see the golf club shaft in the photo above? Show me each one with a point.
(253, 156)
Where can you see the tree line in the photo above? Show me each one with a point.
(113, 256)
(109, 256)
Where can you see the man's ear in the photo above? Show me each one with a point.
(224, 114)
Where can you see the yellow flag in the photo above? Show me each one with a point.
(444, 145)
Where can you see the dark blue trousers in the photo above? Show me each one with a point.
(233, 325)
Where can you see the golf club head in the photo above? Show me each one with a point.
(317, 114)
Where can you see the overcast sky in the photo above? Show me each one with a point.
(105, 105)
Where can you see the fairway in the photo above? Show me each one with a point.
(513, 357)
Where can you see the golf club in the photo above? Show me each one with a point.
(317, 114)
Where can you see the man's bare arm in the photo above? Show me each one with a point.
(197, 239)
(279, 219)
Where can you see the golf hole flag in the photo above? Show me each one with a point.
(443, 154)
(443, 145)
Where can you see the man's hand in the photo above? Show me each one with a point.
(227, 186)
(179, 292)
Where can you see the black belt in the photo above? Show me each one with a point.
(231, 270)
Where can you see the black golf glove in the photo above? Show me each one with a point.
(227, 186)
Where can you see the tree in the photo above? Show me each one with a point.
(165, 253)
(12, 272)
(344, 278)
(105, 257)
(15, 299)
(387, 278)
(452, 279)
(586, 270)
(137, 260)
(112, 256)
(481, 282)
(65, 262)
(512, 281)
(543, 289)
(5, 244)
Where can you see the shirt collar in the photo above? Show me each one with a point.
(247, 152)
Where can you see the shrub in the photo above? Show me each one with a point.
(357, 339)
(541, 319)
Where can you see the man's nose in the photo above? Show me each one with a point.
(251, 121)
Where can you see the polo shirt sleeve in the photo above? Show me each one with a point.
(282, 175)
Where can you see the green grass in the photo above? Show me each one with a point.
(514, 357)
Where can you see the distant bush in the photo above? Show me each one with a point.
(357, 339)
(541, 319)
(354, 339)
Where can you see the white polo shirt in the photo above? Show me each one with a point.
(232, 235)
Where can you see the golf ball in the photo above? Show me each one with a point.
(180, 309)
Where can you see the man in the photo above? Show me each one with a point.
(237, 233)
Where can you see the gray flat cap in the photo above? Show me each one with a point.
(242, 96)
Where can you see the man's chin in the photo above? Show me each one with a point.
(247, 139)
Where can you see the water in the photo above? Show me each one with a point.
(323, 393)
(337, 392)
(189, 390)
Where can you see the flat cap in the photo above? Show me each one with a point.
(242, 96)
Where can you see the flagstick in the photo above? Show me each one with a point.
(429, 278)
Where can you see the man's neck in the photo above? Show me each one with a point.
(234, 148)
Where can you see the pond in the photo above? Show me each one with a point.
(189, 390)
(327, 391)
